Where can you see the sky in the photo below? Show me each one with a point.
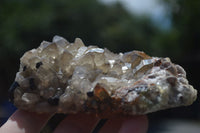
(153, 8)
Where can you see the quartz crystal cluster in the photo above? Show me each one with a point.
(66, 77)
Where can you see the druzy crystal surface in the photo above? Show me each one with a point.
(66, 77)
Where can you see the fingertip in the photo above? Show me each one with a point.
(23, 121)
(76, 123)
(137, 124)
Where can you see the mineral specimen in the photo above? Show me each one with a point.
(68, 77)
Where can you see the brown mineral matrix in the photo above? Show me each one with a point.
(65, 77)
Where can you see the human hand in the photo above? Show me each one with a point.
(26, 122)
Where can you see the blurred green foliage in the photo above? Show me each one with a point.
(185, 15)
(25, 23)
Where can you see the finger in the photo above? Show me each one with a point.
(112, 125)
(25, 122)
(138, 124)
(125, 125)
(79, 123)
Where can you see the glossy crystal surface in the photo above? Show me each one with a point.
(65, 77)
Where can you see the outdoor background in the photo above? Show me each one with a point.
(166, 28)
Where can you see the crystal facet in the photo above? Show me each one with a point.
(68, 77)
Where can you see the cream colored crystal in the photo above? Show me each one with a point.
(71, 77)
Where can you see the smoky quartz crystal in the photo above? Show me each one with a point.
(66, 77)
